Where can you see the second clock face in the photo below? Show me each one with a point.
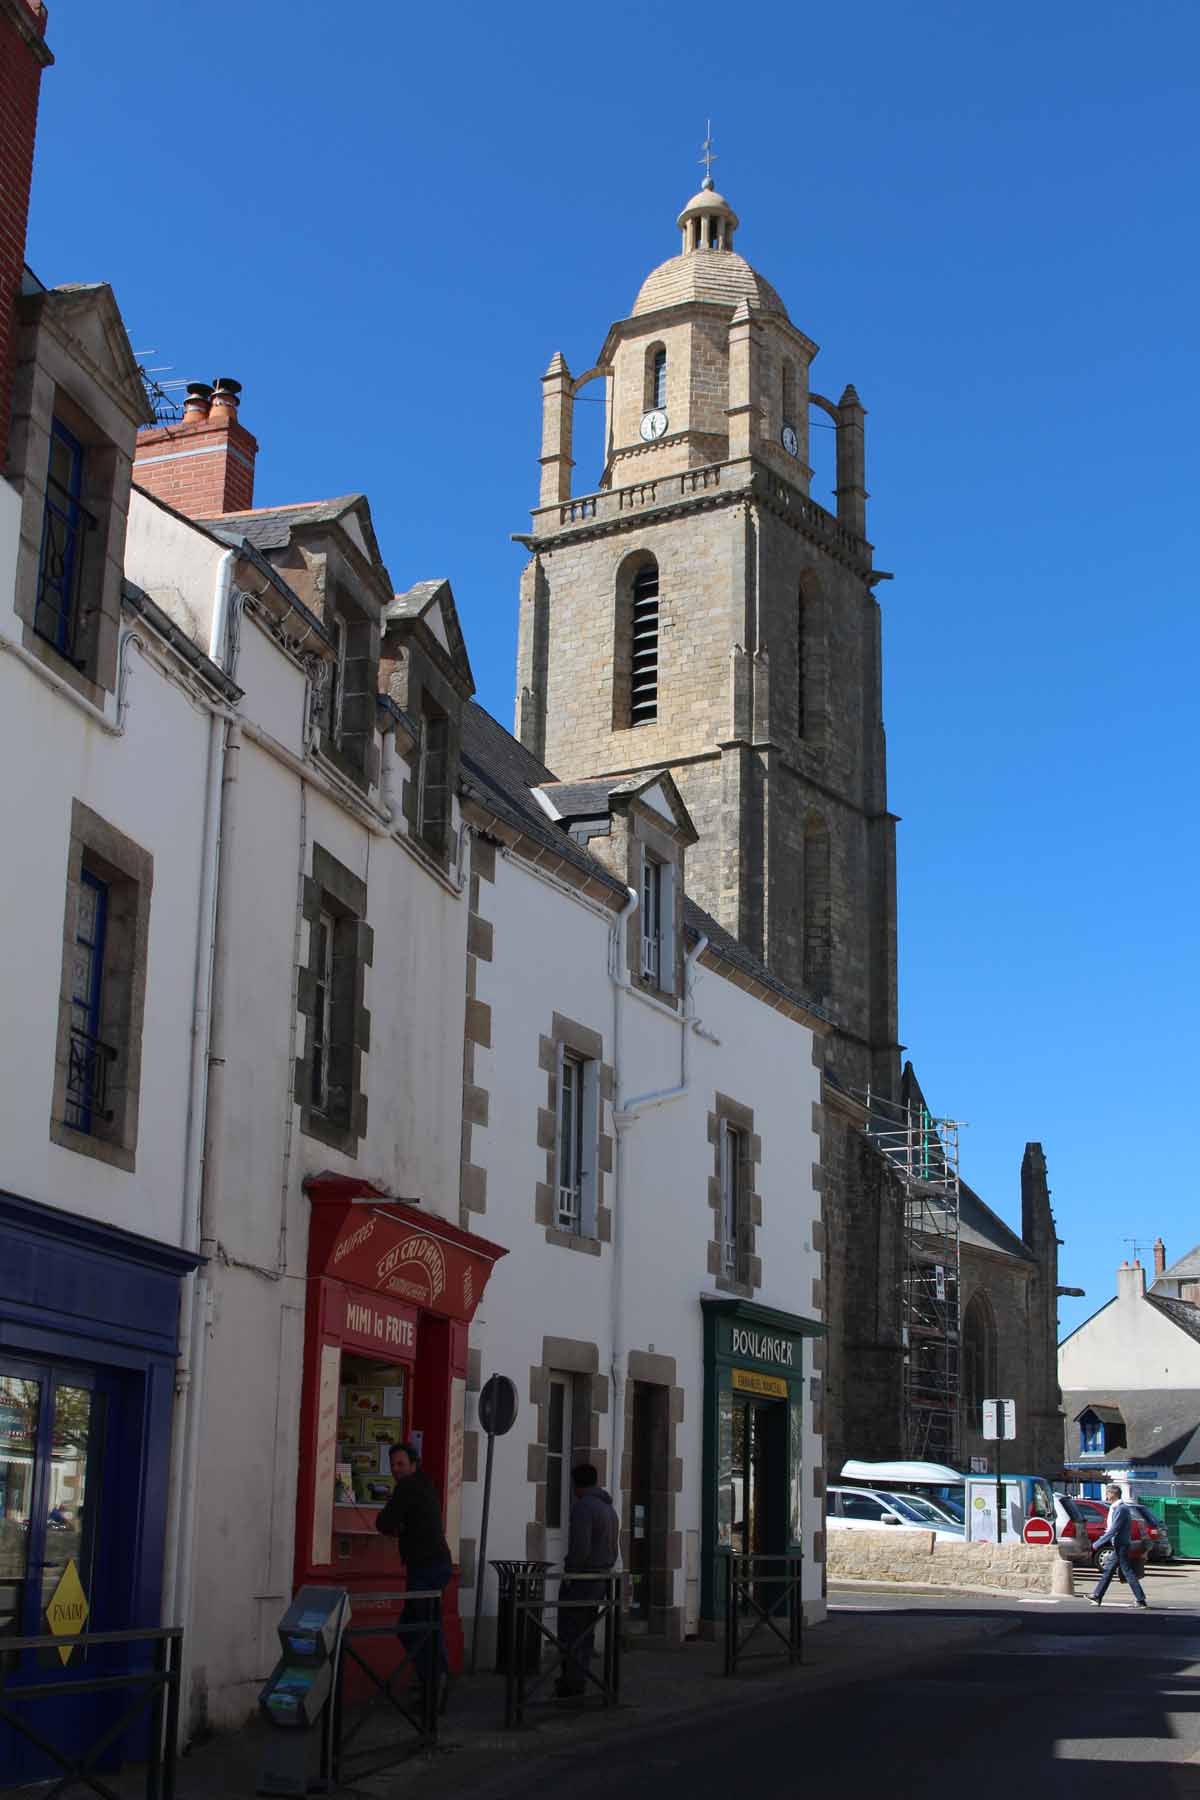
(653, 424)
(790, 441)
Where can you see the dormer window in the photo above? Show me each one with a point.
(65, 522)
(433, 792)
(652, 909)
(658, 923)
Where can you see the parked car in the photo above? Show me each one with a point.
(866, 1509)
(1148, 1530)
(1071, 1528)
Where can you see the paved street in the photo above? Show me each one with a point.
(1097, 1703)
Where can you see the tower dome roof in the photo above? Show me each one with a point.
(721, 276)
(709, 268)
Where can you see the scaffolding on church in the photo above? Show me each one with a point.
(923, 1150)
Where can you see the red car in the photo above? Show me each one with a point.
(1149, 1536)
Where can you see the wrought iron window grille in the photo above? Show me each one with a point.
(88, 1063)
(59, 615)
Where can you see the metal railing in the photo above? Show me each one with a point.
(766, 1590)
(58, 610)
(577, 1620)
(417, 1704)
(88, 1063)
(156, 1687)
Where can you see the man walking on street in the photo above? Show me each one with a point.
(414, 1516)
(1120, 1536)
(592, 1546)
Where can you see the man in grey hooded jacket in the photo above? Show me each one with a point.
(593, 1544)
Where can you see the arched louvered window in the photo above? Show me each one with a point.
(643, 690)
(654, 385)
(818, 934)
(660, 378)
(787, 394)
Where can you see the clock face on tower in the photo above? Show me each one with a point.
(653, 425)
(790, 441)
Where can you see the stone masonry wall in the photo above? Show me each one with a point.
(917, 1556)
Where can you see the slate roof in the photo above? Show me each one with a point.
(979, 1225)
(270, 527)
(580, 799)
(502, 773)
(1186, 1269)
(1162, 1425)
(1108, 1415)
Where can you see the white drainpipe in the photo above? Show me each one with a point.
(626, 1113)
(195, 1298)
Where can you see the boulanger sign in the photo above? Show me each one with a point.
(773, 1349)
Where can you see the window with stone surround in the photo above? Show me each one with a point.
(70, 606)
(579, 1153)
(801, 665)
(329, 1083)
(735, 1205)
(433, 790)
(102, 995)
(346, 706)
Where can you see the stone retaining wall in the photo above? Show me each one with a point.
(902, 1555)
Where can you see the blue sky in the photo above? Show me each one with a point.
(385, 219)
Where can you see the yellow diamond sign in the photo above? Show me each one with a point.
(68, 1609)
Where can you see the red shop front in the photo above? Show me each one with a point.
(391, 1294)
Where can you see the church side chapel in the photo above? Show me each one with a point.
(697, 611)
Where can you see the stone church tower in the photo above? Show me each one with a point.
(697, 611)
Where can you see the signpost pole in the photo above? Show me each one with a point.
(481, 1567)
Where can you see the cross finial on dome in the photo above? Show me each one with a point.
(706, 156)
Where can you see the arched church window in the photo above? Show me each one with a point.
(818, 925)
(787, 394)
(643, 686)
(979, 1374)
(655, 394)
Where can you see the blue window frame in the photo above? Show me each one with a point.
(56, 615)
(88, 1058)
(1091, 1438)
(660, 378)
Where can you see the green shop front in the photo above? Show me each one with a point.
(754, 1376)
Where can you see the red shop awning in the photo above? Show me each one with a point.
(358, 1236)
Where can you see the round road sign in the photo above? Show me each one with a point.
(497, 1405)
(1038, 1531)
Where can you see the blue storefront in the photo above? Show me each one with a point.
(88, 1323)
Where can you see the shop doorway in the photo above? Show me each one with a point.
(65, 1542)
(758, 1475)
(650, 1579)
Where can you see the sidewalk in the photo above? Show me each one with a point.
(658, 1686)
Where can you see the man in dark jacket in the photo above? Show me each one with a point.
(593, 1544)
(413, 1515)
(1120, 1536)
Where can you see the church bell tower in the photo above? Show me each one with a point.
(696, 610)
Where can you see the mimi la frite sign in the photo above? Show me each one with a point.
(68, 1609)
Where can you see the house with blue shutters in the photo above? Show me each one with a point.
(1130, 1378)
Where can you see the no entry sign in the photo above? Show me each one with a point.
(1038, 1531)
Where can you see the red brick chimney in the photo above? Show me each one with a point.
(1160, 1257)
(23, 56)
(204, 465)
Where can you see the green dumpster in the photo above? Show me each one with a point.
(1182, 1520)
